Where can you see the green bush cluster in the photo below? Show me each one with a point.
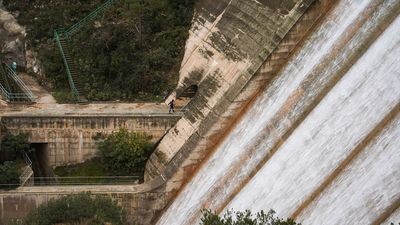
(13, 145)
(244, 218)
(76, 209)
(132, 52)
(9, 175)
(125, 152)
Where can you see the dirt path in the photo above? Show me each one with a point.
(43, 96)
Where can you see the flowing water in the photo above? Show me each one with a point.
(321, 142)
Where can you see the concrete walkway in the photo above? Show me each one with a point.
(47, 106)
(82, 110)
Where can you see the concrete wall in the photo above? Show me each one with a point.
(226, 47)
(237, 38)
(73, 139)
(216, 131)
(278, 154)
(140, 207)
(228, 43)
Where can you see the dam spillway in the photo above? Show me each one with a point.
(297, 109)
(320, 144)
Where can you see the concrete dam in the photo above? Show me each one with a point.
(320, 143)
(297, 110)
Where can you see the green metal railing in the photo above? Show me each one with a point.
(85, 180)
(76, 27)
(67, 67)
(10, 95)
(66, 34)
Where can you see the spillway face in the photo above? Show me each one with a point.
(321, 142)
(228, 42)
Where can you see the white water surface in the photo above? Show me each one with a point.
(359, 104)
(368, 92)
(366, 189)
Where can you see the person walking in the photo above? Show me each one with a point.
(171, 106)
(14, 66)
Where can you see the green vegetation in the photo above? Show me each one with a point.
(12, 146)
(125, 152)
(9, 175)
(132, 52)
(93, 167)
(122, 153)
(76, 209)
(244, 218)
(11, 149)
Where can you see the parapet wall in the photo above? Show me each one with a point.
(140, 206)
(73, 139)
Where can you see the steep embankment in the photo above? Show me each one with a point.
(131, 51)
(319, 144)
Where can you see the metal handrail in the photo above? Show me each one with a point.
(13, 96)
(67, 33)
(27, 159)
(71, 30)
(28, 171)
(20, 83)
(4, 92)
(70, 79)
(85, 180)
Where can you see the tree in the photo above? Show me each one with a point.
(132, 51)
(125, 152)
(12, 145)
(244, 218)
(76, 209)
(9, 175)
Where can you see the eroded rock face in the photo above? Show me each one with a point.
(12, 38)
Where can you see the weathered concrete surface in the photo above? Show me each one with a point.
(226, 65)
(320, 139)
(293, 94)
(226, 46)
(18, 205)
(224, 123)
(73, 139)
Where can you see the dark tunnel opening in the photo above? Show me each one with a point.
(40, 162)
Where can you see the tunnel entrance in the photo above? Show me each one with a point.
(40, 162)
(190, 92)
(184, 98)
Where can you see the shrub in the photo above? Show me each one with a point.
(64, 96)
(12, 145)
(77, 209)
(134, 47)
(244, 218)
(125, 152)
(9, 175)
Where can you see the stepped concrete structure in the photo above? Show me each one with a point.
(73, 139)
(297, 109)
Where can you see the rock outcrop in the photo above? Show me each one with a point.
(12, 38)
